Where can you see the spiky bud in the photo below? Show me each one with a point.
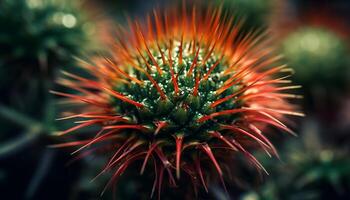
(182, 89)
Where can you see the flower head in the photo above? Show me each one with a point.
(182, 89)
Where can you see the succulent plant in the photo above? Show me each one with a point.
(180, 94)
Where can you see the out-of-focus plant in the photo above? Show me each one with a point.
(37, 39)
(38, 35)
(255, 12)
(321, 63)
(309, 170)
(318, 56)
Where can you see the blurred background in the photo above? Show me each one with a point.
(38, 38)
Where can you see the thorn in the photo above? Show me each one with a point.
(160, 125)
(179, 140)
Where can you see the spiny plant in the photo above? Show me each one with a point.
(181, 93)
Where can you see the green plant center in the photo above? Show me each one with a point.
(180, 109)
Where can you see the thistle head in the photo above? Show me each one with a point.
(180, 89)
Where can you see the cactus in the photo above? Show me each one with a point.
(183, 93)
